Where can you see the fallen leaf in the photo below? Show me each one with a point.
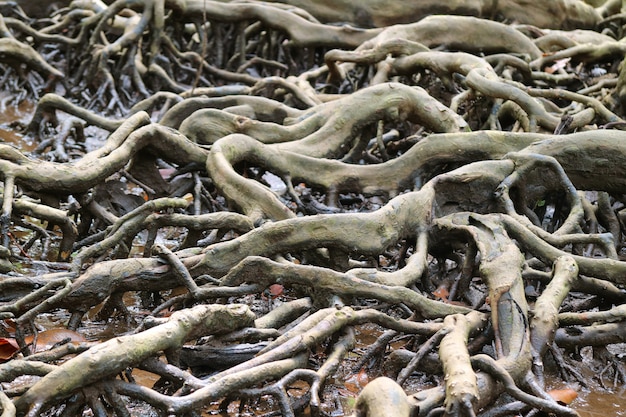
(8, 325)
(49, 338)
(166, 173)
(8, 347)
(564, 396)
(558, 64)
(356, 382)
(352, 388)
(273, 291)
(441, 293)
(362, 377)
(188, 197)
(346, 393)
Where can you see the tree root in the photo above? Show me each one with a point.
(104, 359)
(329, 176)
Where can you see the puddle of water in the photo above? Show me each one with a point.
(593, 401)
(21, 113)
(601, 404)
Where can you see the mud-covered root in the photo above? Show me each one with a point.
(382, 397)
(127, 227)
(544, 322)
(115, 355)
(460, 379)
(8, 409)
(566, 14)
(16, 54)
(489, 365)
(460, 33)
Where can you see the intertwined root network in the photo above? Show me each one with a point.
(250, 185)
